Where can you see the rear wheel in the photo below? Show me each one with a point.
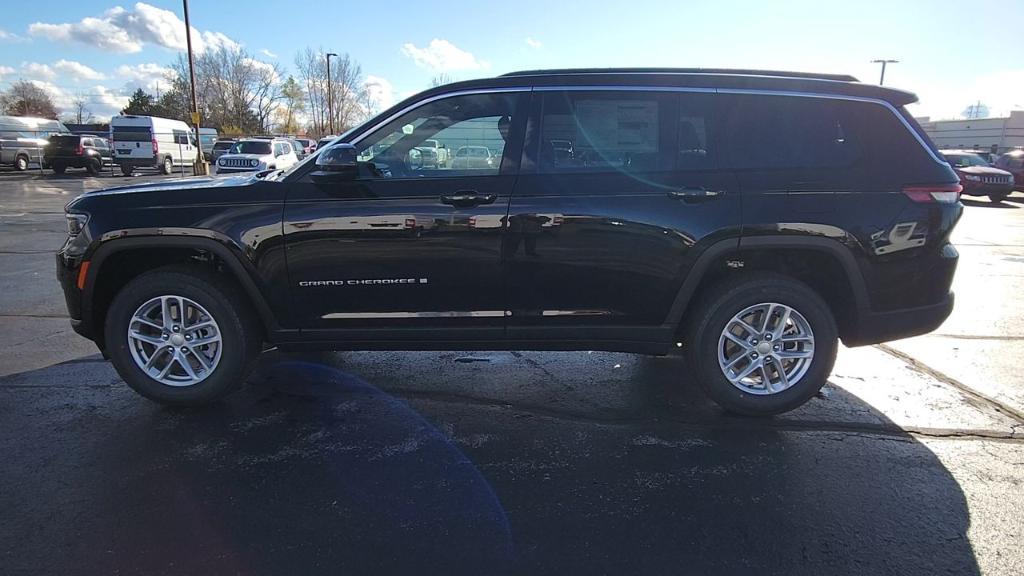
(168, 166)
(762, 345)
(94, 167)
(21, 163)
(59, 168)
(126, 169)
(182, 335)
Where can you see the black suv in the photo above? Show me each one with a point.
(65, 151)
(751, 218)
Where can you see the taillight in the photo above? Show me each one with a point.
(940, 193)
(410, 222)
(79, 151)
(472, 221)
(156, 147)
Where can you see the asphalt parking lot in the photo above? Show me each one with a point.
(911, 461)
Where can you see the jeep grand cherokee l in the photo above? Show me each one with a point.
(751, 218)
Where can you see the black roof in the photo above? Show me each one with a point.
(726, 71)
(721, 78)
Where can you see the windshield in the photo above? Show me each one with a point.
(965, 160)
(250, 148)
(222, 145)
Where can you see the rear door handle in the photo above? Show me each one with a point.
(468, 198)
(694, 195)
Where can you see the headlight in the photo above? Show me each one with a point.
(254, 162)
(972, 177)
(76, 223)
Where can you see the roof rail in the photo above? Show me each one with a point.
(726, 71)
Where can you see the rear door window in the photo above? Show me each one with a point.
(131, 134)
(780, 132)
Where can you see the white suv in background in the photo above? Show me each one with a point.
(256, 154)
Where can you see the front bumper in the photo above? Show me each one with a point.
(221, 170)
(67, 276)
(983, 189)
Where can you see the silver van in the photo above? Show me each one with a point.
(22, 139)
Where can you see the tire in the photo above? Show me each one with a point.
(704, 336)
(21, 163)
(168, 166)
(94, 167)
(229, 362)
(997, 198)
(59, 168)
(126, 169)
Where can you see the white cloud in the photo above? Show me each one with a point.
(533, 42)
(147, 71)
(442, 56)
(381, 92)
(268, 54)
(76, 70)
(37, 71)
(6, 36)
(127, 31)
(5, 71)
(263, 67)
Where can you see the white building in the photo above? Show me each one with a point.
(995, 135)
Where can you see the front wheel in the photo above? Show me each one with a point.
(182, 335)
(168, 167)
(762, 344)
(21, 163)
(997, 198)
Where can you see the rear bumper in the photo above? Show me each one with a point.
(137, 162)
(877, 327)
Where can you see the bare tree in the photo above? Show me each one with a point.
(234, 89)
(350, 98)
(440, 80)
(24, 98)
(80, 111)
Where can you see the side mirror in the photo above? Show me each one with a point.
(336, 163)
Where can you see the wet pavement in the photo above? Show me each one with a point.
(520, 463)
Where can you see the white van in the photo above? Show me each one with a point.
(152, 142)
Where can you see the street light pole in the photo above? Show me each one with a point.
(199, 168)
(330, 94)
(881, 80)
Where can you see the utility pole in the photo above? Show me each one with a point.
(330, 95)
(199, 168)
(883, 63)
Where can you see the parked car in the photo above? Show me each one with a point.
(257, 154)
(64, 151)
(220, 147)
(1013, 162)
(22, 139)
(977, 177)
(308, 145)
(299, 148)
(636, 242)
(152, 142)
(325, 141)
(440, 152)
(207, 139)
(473, 158)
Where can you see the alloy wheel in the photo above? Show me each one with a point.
(766, 348)
(174, 340)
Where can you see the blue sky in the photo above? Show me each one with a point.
(951, 54)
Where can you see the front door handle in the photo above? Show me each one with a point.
(468, 198)
(694, 195)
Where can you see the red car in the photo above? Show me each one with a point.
(977, 177)
(1013, 162)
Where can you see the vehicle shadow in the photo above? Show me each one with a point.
(464, 464)
(989, 204)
